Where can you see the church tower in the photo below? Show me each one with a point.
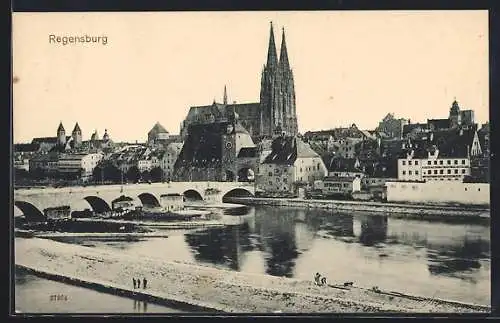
(277, 92)
(61, 135)
(77, 136)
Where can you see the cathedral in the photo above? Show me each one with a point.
(275, 114)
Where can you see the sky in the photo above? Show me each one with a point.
(349, 67)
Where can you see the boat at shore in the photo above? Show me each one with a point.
(163, 214)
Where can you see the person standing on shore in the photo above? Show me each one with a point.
(144, 283)
(138, 283)
(133, 279)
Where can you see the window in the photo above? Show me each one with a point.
(441, 171)
(301, 169)
(435, 162)
(409, 172)
(466, 188)
(448, 171)
(440, 162)
(456, 162)
(416, 172)
(409, 162)
(270, 183)
(463, 171)
(429, 162)
(435, 172)
(463, 161)
(404, 172)
(270, 174)
(456, 171)
(404, 162)
(478, 189)
(448, 162)
(416, 162)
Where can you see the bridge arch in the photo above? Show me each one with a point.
(236, 192)
(148, 199)
(98, 204)
(190, 195)
(30, 212)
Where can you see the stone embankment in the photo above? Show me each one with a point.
(203, 288)
(400, 210)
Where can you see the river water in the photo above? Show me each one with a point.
(443, 260)
(33, 296)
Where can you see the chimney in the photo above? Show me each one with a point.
(461, 131)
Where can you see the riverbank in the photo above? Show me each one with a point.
(193, 224)
(431, 212)
(213, 289)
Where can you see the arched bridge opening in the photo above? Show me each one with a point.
(98, 204)
(31, 213)
(237, 192)
(192, 195)
(149, 200)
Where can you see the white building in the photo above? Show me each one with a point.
(82, 164)
(445, 159)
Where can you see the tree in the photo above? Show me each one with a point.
(156, 174)
(146, 176)
(97, 174)
(133, 174)
(112, 173)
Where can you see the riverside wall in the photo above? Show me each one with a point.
(394, 209)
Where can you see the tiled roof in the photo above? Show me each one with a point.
(340, 164)
(26, 147)
(437, 124)
(341, 179)
(157, 128)
(247, 152)
(283, 151)
(51, 140)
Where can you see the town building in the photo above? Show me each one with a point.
(339, 185)
(172, 202)
(291, 164)
(158, 135)
(169, 158)
(443, 155)
(46, 164)
(57, 213)
(22, 155)
(211, 151)
(392, 127)
(276, 109)
(344, 167)
(79, 164)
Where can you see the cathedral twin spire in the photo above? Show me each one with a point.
(272, 58)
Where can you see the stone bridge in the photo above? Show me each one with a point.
(99, 198)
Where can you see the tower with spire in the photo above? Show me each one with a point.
(77, 136)
(61, 135)
(277, 93)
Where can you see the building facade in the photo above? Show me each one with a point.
(290, 164)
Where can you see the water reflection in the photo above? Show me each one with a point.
(373, 229)
(455, 258)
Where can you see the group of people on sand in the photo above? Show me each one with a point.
(137, 283)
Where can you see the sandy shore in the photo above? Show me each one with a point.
(215, 289)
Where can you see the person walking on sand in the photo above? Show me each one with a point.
(133, 279)
(144, 283)
(138, 283)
